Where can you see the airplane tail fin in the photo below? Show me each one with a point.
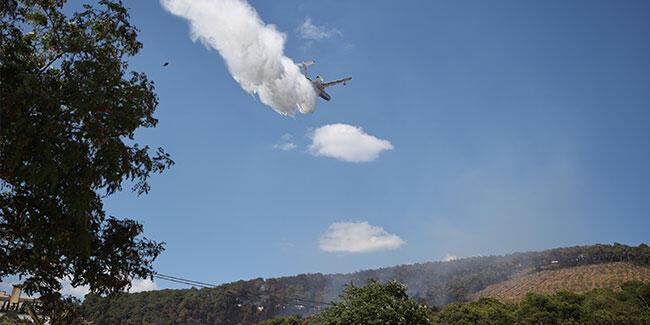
(307, 63)
(303, 66)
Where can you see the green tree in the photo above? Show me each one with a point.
(538, 309)
(69, 108)
(375, 303)
(604, 306)
(599, 306)
(288, 320)
(568, 305)
(56, 312)
(484, 311)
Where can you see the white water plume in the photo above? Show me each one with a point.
(253, 51)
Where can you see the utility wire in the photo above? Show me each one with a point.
(209, 285)
(192, 284)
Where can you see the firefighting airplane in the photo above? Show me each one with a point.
(320, 84)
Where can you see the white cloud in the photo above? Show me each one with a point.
(68, 290)
(308, 30)
(449, 257)
(285, 143)
(285, 146)
(347, 143)
(357, 237)
(139, 285)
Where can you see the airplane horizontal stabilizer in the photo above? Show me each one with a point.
(307, 63)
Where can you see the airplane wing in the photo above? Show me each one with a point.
(334, 82)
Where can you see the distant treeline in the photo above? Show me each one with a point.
(435, 284)
(594, 254)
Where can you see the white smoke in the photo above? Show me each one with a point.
(253, 51)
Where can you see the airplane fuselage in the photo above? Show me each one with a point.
(318, 83)
(318, 87)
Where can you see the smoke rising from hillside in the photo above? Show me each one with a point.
(253, 51)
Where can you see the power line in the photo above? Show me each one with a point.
(199, 283)
(192, 284)
(209, 285)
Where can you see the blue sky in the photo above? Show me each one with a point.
(515, 125)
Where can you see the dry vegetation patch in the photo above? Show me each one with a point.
(576, 279)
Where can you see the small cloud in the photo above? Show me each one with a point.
(286, 246)
(347, 143)
(140, 285)
(284, 146)
(137, 285)
(308, 30)
(68, 290)
(449, 257)
(357, 237)
(285, 143)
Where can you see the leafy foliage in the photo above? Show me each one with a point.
(70, 107)
(288, 320)
(66, 310)
(600, 306)
(485, 311)
(12, 318)
(375, 303)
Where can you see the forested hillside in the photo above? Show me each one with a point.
(433, 283)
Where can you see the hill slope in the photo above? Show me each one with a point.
(578, 279)
(433, 283)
